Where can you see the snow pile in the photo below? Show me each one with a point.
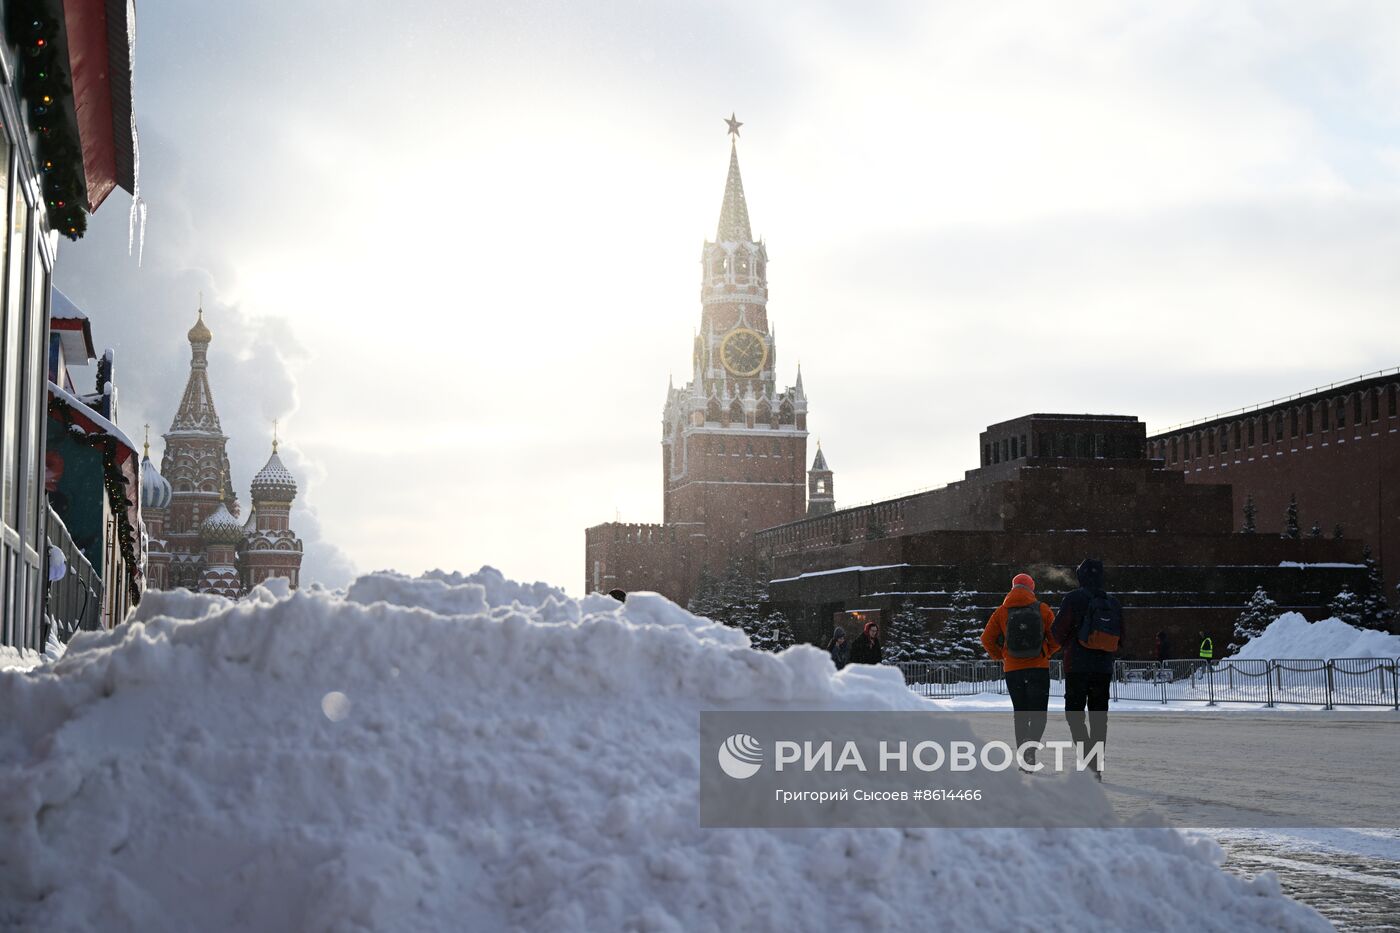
(433, 754)
(1292, 636)
(18, 659)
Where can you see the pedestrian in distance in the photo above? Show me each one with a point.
(839, 648)
(866, 649)
(1207, 647)
(1018, 635)
(1089, 626)
(1163, 650)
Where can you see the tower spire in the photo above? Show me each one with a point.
(734, 212)
(146, 445)
(274, 435)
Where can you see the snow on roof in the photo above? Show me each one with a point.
(61, 307)
(822, 573)
(73, 327)
(384, 760)
(99, 423)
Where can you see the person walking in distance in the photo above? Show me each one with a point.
(839, 648)
(1163, 650)
(1090, 627)
(866, 649)
(1018, 635)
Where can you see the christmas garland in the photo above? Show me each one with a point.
(106, 445)
(44, 86)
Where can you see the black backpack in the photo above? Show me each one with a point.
(1102, 627)
(1025, 631)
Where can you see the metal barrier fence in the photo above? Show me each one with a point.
(1314, 682)
(75, 600)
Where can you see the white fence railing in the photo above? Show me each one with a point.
(1309, 681)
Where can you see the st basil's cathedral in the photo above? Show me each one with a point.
(198, 539)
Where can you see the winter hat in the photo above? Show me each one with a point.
(1090, 574)
(1023, 579)
(839, 633)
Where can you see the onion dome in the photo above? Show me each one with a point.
(274, 481)
(221, 527)
(200, 333)
(155, 489)
(251, 525)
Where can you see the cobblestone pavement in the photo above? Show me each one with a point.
(1354, 891)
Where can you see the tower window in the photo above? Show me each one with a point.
(1356, 409)
(1393, 399)
(821, 487)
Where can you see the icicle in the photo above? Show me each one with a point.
(138, 205)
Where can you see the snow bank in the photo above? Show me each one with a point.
(18, 659)
(1292, 636)
(454, 752)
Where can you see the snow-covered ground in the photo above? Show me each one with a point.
(456, 752)
(1292, 636)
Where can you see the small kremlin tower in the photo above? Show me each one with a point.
(192, 510)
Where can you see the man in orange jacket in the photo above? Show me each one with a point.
(1018, 635)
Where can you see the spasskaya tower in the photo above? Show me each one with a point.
(734, 442)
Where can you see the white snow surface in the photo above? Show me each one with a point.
(1292, 636)
(463, 752)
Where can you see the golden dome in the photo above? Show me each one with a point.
(199, 333)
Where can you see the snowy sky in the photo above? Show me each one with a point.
(454, 246)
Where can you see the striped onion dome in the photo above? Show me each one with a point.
(155, 489)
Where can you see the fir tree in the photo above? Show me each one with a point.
(961, 637)
(1316, 530)
(1346, 607)
(1375, 611)
(737, 599)
(770, 633)
(905, 635)
(1258, 614)
(1249, 512)
(1290, 520)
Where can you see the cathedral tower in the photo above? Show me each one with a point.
(196, 465)
(270, 547)
(734, 441)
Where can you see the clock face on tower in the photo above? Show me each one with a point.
(743, 352)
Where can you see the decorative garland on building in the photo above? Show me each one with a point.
(43, 83)
(106, 445)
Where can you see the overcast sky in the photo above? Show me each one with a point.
(454, 246)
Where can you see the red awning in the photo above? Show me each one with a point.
(101, 35)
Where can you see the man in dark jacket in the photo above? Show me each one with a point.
(866, 649)
(839, 648)
(1088, 671)
(1164, 648)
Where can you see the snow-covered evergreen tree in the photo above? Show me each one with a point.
(1316, 530)
(1249, 513)
(1346, 606)
(1290, 520)
(1258, 614)
(1375, 610)
(737, 599)
(905, 635)
(961, 636)
(770, 633)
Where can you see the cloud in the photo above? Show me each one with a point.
(143, 313)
